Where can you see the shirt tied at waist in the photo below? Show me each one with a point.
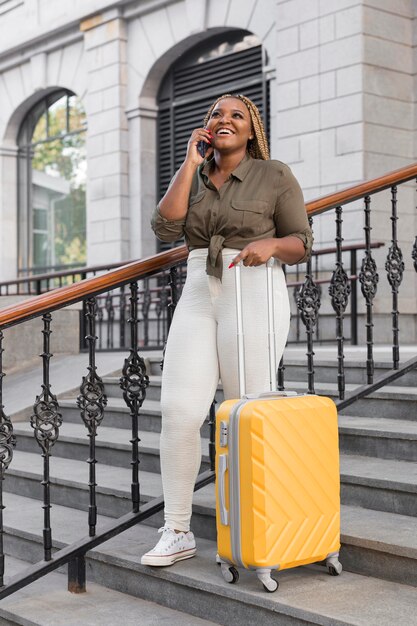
(214, 264)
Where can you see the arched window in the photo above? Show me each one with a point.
(52, 185)
(230, 62)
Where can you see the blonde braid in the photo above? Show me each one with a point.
(257, 147)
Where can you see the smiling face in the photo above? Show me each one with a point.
(231, 125)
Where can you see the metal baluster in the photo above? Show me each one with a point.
(110, 320)
(394, 267)
(146, 305)
(339, 291)
(92, 402)
(100, 317)
(122, 317)
(308, 302)
(163, 312)
(172, 281)
(173, 284)
(414, 253)
(7, 443)
(281, 370)
(133, 383)
(368, 278)
(46, 421)
(295, 296)
(316, 275)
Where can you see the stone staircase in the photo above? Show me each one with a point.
(378, 441)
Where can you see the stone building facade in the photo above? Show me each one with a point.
(341, 77)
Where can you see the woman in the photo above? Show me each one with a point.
(234, 205)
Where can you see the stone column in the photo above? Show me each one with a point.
(107, 140)
(8, 213)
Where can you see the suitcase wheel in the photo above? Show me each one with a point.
(270, 584)
(230, 573)
(334, 566)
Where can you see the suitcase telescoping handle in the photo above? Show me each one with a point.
(271, 332)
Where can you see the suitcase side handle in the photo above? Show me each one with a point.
(224, 513)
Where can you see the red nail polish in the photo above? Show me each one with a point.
(231, 265)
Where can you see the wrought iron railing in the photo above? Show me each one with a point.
(35, 284)
(154, 295)
(46, 417)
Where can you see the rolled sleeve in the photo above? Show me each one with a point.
(167, 230)
(306, 237)
(290, 213)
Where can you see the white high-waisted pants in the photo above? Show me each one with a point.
(202, 346)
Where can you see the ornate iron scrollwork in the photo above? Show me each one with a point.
(368, 278)
(46, 421)
(414, 254)
(92, 401)
(308, 302)
(394, 266)
(133, 383)
(339, 291)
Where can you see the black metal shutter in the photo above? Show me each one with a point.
(187, 93)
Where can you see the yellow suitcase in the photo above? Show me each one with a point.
(277, 478)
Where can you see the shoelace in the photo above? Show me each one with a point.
(169, 538)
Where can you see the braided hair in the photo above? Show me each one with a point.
(258, 146)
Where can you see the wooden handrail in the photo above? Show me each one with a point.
(33, 278)
(71, 294)
(350, 194)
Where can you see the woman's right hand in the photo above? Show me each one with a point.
(199, 134)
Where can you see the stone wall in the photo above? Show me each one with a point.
(24, 343)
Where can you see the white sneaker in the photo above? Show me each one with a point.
(171, 547)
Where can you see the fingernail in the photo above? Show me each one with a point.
(231, 265)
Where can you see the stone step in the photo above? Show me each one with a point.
(69, 487)
(366, 436)
(46, 602)
(116, 415)
(153, 391)
(355, 372)
(378, 437)
(380, 484)
(325, 365)
(391, 402)
(307, 595)
(112, 445)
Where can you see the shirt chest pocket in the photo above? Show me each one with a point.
(250, 217)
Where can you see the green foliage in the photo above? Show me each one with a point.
(62, 155)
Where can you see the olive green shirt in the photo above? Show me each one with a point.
(261, 199)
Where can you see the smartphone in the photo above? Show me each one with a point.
(202, 148)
